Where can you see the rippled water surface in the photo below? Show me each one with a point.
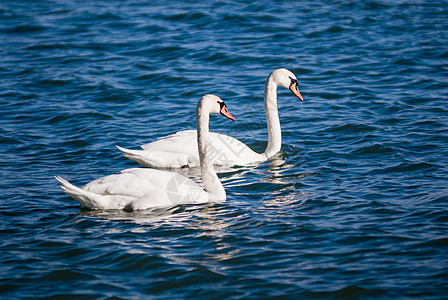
(355, 205)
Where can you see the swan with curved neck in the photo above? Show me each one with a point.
(178, 150)
(140, 188)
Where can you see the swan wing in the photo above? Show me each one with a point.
(228, 151)
(93, 200)
(177, 150)
(181, 150)
(137, 188)
(171, 143)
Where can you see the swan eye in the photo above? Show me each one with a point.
(294, 81)
(221, 104)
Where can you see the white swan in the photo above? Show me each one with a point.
(179, 150)
(140, 188)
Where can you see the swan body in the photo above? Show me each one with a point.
(165, 152)
(139, 188)
(136, 188)
(179, 150)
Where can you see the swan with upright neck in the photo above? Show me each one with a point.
(141, 188)
(179, 150)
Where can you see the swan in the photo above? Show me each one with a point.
(141, 188)
(179, 150)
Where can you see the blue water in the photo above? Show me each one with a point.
(355, 206)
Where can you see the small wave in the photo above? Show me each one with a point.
(58, 275)
(408, 167)
(24, 28)
(55, 82)
(332, 30)
(349, 292)
(352, 128)
(372, 149)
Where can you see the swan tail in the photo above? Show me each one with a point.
(128, 153)
(136, 155)
(85, 198)
(156, 159)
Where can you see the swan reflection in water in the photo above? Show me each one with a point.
(163, 231)
(287, 194)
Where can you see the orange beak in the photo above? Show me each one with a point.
(294, 88)
(226, 113)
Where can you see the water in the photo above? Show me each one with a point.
(355, 206)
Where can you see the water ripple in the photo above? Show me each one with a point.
(353, 207)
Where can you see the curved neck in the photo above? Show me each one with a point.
(212, 184)
(270, 107)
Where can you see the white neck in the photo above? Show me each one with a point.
(270, 107)
(212, 184)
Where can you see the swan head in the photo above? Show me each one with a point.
(286, 79)
(214, 105)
